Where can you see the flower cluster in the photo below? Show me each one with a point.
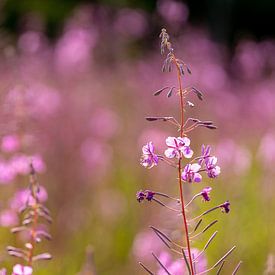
(29, 203)
(190, 169)
(178, 148)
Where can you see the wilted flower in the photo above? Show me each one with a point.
(22, 270)
(178, 146)
(147, 194)
(149, 158)
(212, 169)
(205, 193)
(140, 196)
(190, 173)
(225, 206)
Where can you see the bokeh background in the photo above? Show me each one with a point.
(76, 81)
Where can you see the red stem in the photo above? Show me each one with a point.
(180, 168)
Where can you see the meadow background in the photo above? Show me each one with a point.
(76, 81)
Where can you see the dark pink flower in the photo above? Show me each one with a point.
(205, 193)
(225, 206)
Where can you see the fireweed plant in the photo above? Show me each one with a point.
(190, 169)
(32, 230)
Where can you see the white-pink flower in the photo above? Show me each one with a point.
(178, 146)
(22, 270)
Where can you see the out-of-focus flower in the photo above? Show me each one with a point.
(149, 158)
(190, 173)
(205, 193)
(8, 218)
(95, 153)
(21, 164)
(30, 42)
(233, 155)
(42, 100)
(178, 146)
(3, 271)
(144, 243)
(211, 168)
(266, 151)
(225, 206)
(23, 197)
(7, 173)
(131, 23)
(178, 267)
(104, 123)
(10, 143)
(22, 270)
(173, 11)
(73, 50)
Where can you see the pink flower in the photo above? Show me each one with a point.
(22, 270)
(212, 169)
(178, 146)
(7, 174)
(190, 173)
(149, 158)
(10, 143)
(22, 197)
(8, 218)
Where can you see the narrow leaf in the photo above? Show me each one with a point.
(158, 92)
(186, 262)
(145, 268)
(220, 268)
(43, 256)
(223, 257)
(237, 268)
(197, 225)
(160, 263)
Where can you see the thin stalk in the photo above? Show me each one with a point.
(33, 187)
(180, 168)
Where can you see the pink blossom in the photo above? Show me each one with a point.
(10, 143)
(173, 11)
(212, 169)
(178, 146)
(149, 158)
(7, 173)
(131, 23)
(19, 269)
(8, 218)
(21, 164)
(23, 197)
(190, 173)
